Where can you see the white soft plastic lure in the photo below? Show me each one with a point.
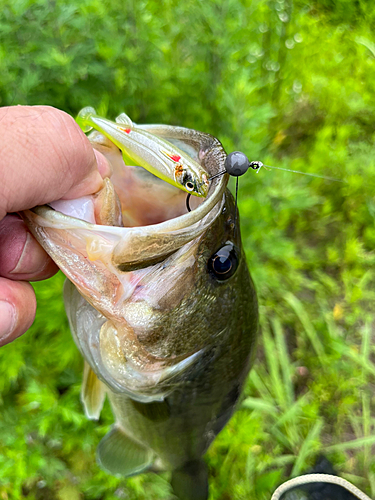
(150, 151)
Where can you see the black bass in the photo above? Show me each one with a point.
(163, 310)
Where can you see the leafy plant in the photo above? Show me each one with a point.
(290, 84)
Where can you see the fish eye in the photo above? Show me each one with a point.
(224, 262)
(189, 186)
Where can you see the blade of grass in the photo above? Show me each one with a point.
(260, 386)
(371, 478)
(366, 423)
(289, 422)
(366, 411)
(280, 436)
(351, 445)
(285, 363)
(308, 447)
(273, 366)
(292, 413)
(259, 404)
(345, 350)
(353, 478)
(354, 421)
(283, 460)
(308, 326)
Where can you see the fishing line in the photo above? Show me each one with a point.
(218, 175)
(237, 164)
(235, 207)
(303, 173)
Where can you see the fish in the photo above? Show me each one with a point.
(150, 151)
(162, 307)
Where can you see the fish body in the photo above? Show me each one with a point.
(165, 315)
(150, 151)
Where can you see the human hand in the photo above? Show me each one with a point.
(44, 157)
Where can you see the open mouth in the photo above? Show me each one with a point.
(144, 199)
(152, 219)
(107, 245)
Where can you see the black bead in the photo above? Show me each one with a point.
(236, 163)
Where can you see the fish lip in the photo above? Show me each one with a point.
(180, 222)
(133, 246)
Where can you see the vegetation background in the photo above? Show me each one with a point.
(290, 83)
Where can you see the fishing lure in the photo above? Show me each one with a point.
(157, 155)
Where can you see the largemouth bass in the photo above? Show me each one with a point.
(163, 310)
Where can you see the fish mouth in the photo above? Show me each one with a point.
(107, 264)
(142, 242)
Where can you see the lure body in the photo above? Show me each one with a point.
(157, 155)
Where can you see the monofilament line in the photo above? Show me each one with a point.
(306, 173)
(235, 207)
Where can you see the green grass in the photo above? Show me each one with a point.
(287, 83)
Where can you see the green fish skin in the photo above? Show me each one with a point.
(163, 310)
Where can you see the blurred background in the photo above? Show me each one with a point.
(287, 82)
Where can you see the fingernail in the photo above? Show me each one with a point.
(33, 258)
(7, 319)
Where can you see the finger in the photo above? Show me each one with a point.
(44, 157)
(21, 257)
(17, 309)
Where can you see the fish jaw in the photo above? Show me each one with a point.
(111, 311)
(124, 275)
(153, 153)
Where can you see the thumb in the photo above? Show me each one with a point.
(44, 157)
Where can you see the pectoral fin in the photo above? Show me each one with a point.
(120, 455)
(92, 393)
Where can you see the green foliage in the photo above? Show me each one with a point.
(286, 83)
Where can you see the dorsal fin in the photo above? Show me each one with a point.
(92, 393)
(123, 118)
